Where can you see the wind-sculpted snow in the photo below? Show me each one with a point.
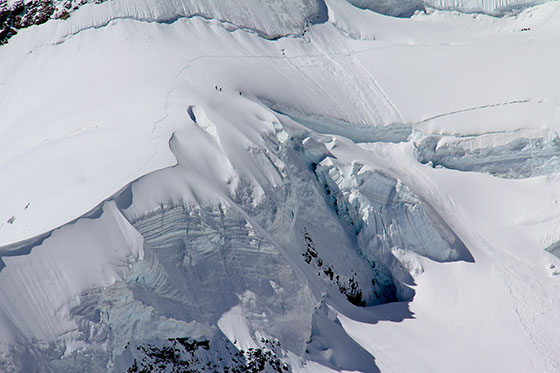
(270, 19)
(180, 192)
(330, 344)
(252, 265)
(514, 155)
(43, 286)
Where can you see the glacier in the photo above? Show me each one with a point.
(305, 186)
(406, 8)
(520, 154)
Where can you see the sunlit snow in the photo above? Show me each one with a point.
(344, 185)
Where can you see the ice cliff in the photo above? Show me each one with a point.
(274, 186)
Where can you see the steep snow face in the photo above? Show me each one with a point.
(181, 185)
(57, 276)
(270, 19)
(196, 258)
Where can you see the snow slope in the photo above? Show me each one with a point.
(357, 193)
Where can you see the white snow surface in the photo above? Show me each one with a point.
(167, 165)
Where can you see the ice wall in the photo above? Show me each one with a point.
(387, 217)
(515, 155)
(406, 8)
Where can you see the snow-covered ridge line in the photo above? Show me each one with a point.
(282, 19)
(230, 26)
(20, 14)
(122, 198)
(184, 73)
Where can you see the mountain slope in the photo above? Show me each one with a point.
(198, 185)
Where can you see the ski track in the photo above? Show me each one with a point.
(514, 102)
(184, 72)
